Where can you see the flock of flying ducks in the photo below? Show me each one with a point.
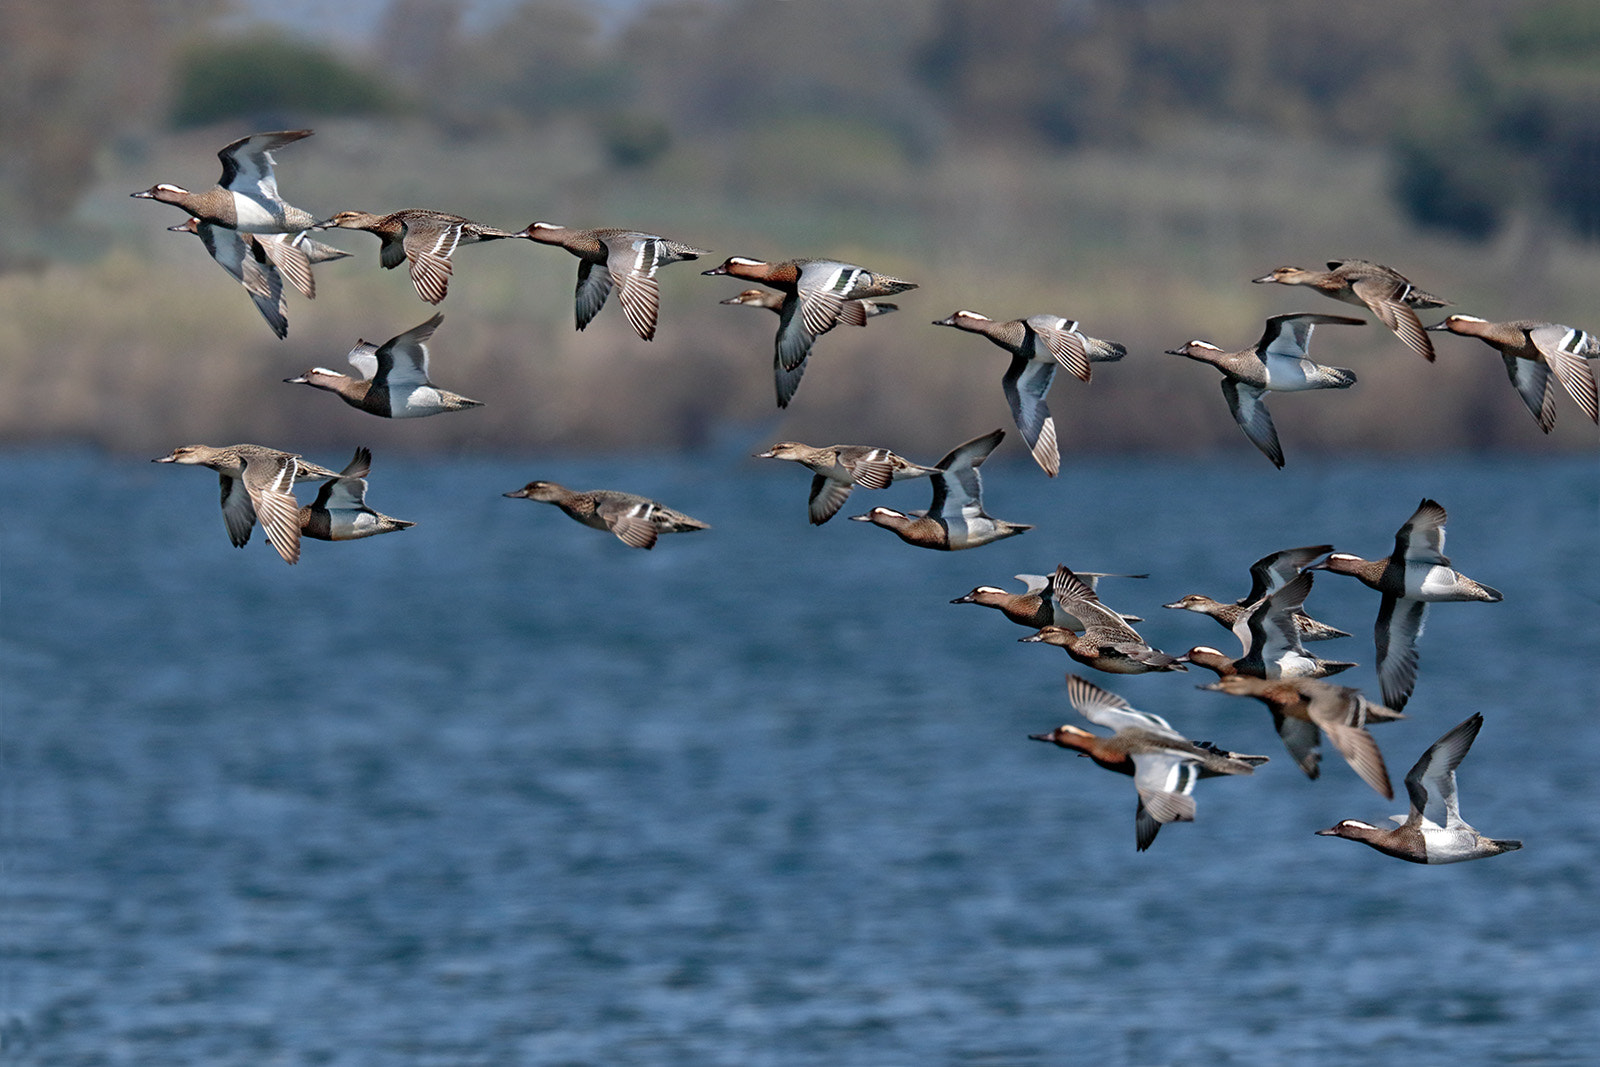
(261, 240)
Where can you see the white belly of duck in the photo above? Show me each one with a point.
(251, 216)
(424, 400)
(1286, 375)
(1426, 581)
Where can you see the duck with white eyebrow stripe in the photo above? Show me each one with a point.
(394, 382)
(1414, 575)
(1276, 363)
(1038, 345)
(816, 293)
(1433, 831)
(246, 196)
(955, 519)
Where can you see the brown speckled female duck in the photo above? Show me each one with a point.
(424, 238)
(837, 469)
(636, 520)
(1386, 292)
(1303, 709)
(1107, 643)
(256, 483)
(627, 258)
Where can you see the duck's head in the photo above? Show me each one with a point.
(319, 376)
(1196, 349)
(546, 491)
(739, 267)
(1456, 324)
(1063, 735)
(783, 450)
(761, 298)
(347, 220)
(165, 192)
(187, 454)
(1282, 275)
(963, 320)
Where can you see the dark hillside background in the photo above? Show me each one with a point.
(1132, 165)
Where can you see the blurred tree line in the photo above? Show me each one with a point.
(1488, 107)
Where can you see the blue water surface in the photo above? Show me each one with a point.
(499, 790)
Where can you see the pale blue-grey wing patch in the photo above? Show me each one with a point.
(1431, 783)
(827, 497)
(1272, 629)
(1250, 412)
(1287, 336)
(793, 342)
(403, 359)
(1034, 583)
(957, 487)
(1165, 785)
(1271, 571)
(1421, 539)
(1395, 635)
(364, 358)
(1531, 380)
(238, 513)
(594, 286)
(349, 486)
(343, 494)
(1026, 384)
(247, 164)
(1303, 740)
